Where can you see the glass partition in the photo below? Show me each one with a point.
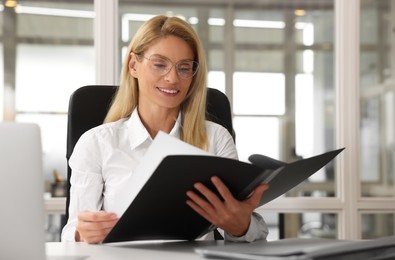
(377, 91)
(283, 86)
(375, 225)
(51, 43)
(311, 224)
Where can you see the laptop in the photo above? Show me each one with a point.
(303, 249)
(22, 232)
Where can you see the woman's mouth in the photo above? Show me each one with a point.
(169, 91)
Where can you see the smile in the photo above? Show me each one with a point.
(169, 91)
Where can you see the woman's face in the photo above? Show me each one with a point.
(163, 73)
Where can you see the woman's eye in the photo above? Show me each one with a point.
(159, 65)
(185, 69)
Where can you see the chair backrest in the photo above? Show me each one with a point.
(88, 107)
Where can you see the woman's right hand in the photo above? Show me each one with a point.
(93, 227)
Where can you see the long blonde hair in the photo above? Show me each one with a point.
(193, 108)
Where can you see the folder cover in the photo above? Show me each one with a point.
(158, 211)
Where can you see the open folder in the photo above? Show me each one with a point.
(154, 205)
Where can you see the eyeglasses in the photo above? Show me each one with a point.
(161, 66)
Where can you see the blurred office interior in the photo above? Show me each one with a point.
(303, 77)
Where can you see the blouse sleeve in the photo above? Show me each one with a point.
(86, 181)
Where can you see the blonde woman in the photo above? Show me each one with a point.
(162, 88)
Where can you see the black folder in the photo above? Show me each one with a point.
(159, 211)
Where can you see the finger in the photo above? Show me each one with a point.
(199, 201)
(211, 211)
(222, 189)
(96, 216)
(97, 237)
(202, 207)
(92, 240)
(257, 194)
(96, 233)
(199, 210)
(93, 232)
(95, 225)
(208, 194)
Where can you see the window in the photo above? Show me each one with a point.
(48, 53)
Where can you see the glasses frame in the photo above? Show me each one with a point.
(164, 71)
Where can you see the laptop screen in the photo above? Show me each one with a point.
(21, 192)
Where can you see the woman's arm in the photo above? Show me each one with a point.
(86, 221)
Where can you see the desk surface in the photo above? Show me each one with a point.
(138, 250)
(177, 250)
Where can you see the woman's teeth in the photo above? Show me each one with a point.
(169, 91)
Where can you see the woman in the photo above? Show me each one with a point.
(163, 88)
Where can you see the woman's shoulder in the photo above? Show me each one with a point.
(221, 142)
(216, 129)
(105, 129)
(100, 138)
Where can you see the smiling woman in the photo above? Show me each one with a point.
(164, 92)
(158, 73)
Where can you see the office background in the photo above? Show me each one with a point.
(303, 77)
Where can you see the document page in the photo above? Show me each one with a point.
(162, 146)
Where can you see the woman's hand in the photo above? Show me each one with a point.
(229, 214)
(93, 227)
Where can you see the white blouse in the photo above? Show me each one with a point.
(105, 156)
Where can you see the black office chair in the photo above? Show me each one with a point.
(88, 107)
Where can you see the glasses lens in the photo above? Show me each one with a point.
(185, 68)
(160, 65)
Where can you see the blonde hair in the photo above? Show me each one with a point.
(193, 108)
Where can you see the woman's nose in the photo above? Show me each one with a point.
(172, 75)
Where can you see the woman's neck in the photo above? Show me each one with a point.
(156, 120)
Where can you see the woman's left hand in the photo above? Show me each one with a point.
(229, 214)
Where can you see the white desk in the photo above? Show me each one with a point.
(294, 248)
(144, 251)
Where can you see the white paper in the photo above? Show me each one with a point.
(162, 146)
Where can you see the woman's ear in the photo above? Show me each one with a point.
(133, 65)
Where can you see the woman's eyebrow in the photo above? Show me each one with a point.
(167, 58)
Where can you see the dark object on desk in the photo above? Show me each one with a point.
(58, 187)
(88, 107)
(159, 211)
(304, 249)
